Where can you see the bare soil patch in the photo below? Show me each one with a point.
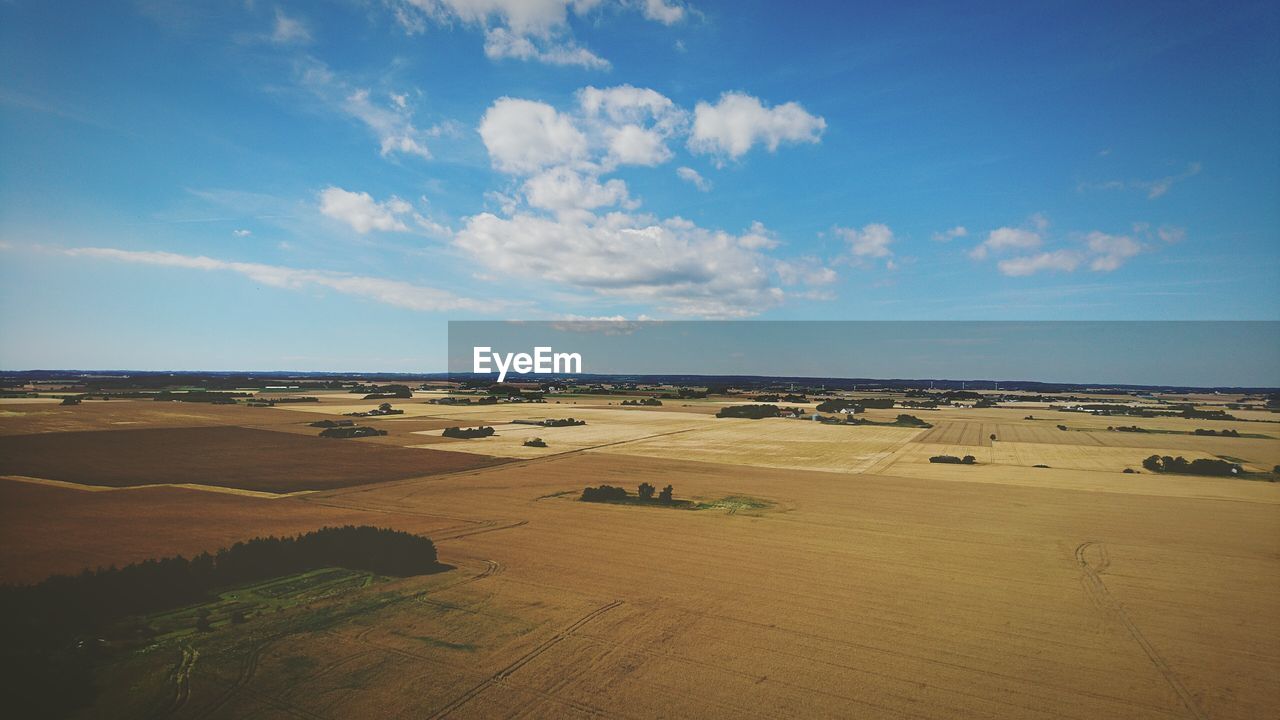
(237, 457)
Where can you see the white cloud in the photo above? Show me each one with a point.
(1171, 233)
(500, 43)
(535, 30)
(663, 11)
(362, 212)
(690, 175)
(872, 241)
(388, 292)
(1059, 260)
(1110, 251)
(1010, 238)
(392, 124)
(524, 136)
(561, 189)
(958, 231)
(1153, 188)
(679, 267)
(634, 145)
(289, 31)
(629, 104)
(242, 233)
(739, 121)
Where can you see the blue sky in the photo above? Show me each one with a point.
(322, 185)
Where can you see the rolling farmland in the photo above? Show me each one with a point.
(845, 574)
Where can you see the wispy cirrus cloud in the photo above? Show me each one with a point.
(1155, 188)
(395, 293)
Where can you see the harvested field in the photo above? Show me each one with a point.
(604, 427)
(777, 443)
(873, 583)
(1013, 602)
(46, 530)
(225, 456)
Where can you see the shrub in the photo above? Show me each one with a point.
(351, 432)
(535, 442)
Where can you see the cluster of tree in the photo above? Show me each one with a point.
(984, 403)
(535, 442)
(287, 400)
(383, 409)
(51, 629)
(647, 402)
(490, 400)
(563, 422)
(72, 400)
(381, 392)
(913, 421)
(772, 398)
(201, 396)
(1193, 414)
(922, 404)
(751, 412)
(351, 432)
(838, 405)
(953, 460)
(1199, 466)
(332, 423)
(604, 493)
(644, 493)
(1130, 428)
(1222, 433)
(468, 433)
(686, 394)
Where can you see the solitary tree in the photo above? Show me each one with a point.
(665, 495)
(645, 491)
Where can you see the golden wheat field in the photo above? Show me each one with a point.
(829, 571)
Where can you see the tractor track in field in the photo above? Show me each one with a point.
(1102, 598)
(525, 659)
(182, 681)
(248, 668)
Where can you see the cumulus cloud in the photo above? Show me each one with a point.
(1097, 250)
(738, 121)
(524, 136)
(872, 241)
(681, 268)
(362, 212)
(500, 43)
(1059, 260)
(1010, 238)
(958, 231)
(533, 30)
(662, 11)
(692, 176)
(388, 292)
(561, 189)
(1110, 251)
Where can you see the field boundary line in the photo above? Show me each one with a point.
(1105, 601)
(86, 487)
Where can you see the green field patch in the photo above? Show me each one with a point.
(735, 503)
